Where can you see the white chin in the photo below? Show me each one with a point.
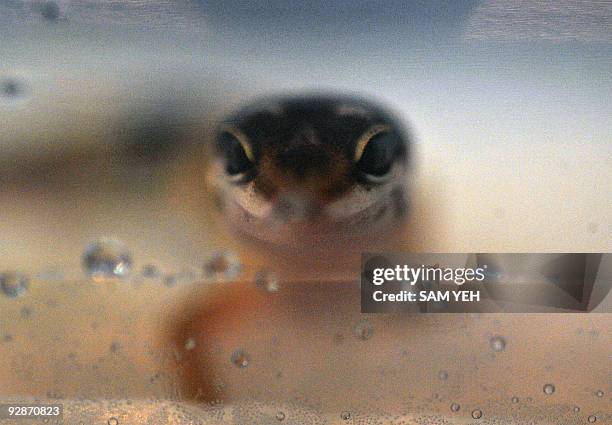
(364, 230)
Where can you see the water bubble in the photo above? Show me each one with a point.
(266, 280)
(222, 265)
(576, 409)
(443, 375)
(150, 271)
(107, 258)
(455, 407)
(13, 284)
(363, 330)
(241, 358)
(113, 421)
(280, 416)
(599, 393)
(549, 389)
(592, 419)
(170, 280)
(26, 312)
(476, 413)
(190, 343)
(514, 399)
(345, 416)
(11, 88)
(498, 343)
(50, 10)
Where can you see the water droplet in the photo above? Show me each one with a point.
(443, 375)
(515, 399)
(498, 343)
(576, 409)
(363, 330)
(50, 10)
(345, 416)
(266, 280)
(222, 265)
(150, 271)
(170, 280)
(592, 419)
(455, 407)
(549, 389)
(476, 413)
(241, 358)
(13, 284)
(599, 393)
(190, 343)
(113, 421)
(106, 259)
(280, 416)
(10, 88)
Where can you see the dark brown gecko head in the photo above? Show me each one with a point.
(311, 160)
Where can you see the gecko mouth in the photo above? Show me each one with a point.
(300, 224)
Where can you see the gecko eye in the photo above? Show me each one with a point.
(238, 154)
(375, 153)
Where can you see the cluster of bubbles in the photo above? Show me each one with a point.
(107, 258)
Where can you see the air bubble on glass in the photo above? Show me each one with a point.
(222, 265)
(50, 10)
(363, 330)
(13, 284)
(107, 259)
(267, 280)
(548, 389)
(150, 271)
(241, 358)
(498, 343)
(190, 343)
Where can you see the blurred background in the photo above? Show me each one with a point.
(106, 109)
